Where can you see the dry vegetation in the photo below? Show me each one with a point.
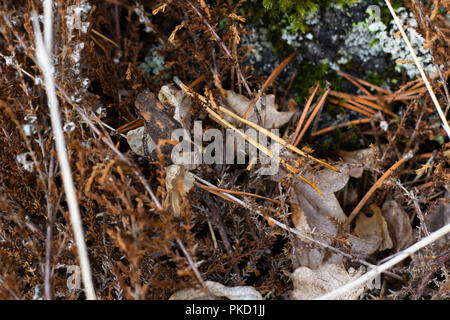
(138, 248)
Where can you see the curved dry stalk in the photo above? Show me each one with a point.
(43, 60)
(422, 72)
(385, 266)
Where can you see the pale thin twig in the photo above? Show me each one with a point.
(49, 236)
(43, 60)
(191, 263)
(48, 26)
(422, 72)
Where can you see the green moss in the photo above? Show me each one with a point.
(295, 10)
(308, 74)
(374, 78)
(385, 14)
(439, 139)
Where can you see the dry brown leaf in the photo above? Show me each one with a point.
(358, 160)
(364, 246)
(310, 284)
(271, 117)
(374, 225)
(216, 291)
(299, 218)
(135, 140)
(180, 101)
(398, 223)
(307, 203)
(315, 204)
(176, 175)
(193, 294)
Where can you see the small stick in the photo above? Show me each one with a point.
(44, 62)
(351, 107)
(346, 124)
(304, 113)
(360, 105)
(191, 263)
(350, 78)
(239, 193)
(197, 81)
(419, 66)
(372, 190)
(134, 124)
(291, 81)
(105, 38)
(375, 106)
(268, 82)
(213, 235)
(311, 117)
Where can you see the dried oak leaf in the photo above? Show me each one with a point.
(178, 183)
(374, 226)
(310, 284)
(311, 210)
(158, 124)
(182, 103)
(358, 160)
(299, 218)
(398, 223)
(307, 203)
(270, 116)
(135, 139)
(313, 203)
(216, 291)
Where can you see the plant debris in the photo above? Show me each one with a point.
(211, 159)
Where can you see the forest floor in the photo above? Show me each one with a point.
(312, 150)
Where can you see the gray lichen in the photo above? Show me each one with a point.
(153, 62)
